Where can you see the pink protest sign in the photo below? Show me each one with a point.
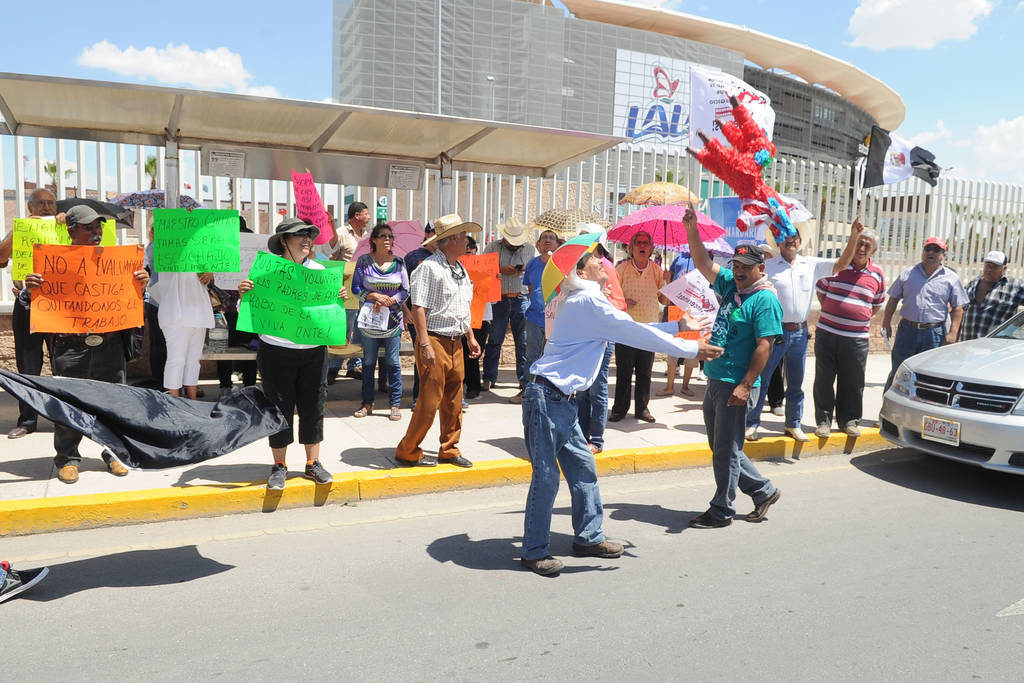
(310, 207)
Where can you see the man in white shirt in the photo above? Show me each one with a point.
(794, 277)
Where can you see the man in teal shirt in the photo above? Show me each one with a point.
(748, 322)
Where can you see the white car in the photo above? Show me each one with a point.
(964, 402)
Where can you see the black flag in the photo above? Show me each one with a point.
(145, 428)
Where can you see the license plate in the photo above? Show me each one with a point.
(943, 431)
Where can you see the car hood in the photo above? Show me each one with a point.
(986, 360)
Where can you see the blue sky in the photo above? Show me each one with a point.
(956, 63)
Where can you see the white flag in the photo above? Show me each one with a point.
(709, 99)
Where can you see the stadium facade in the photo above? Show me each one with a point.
(529, 62)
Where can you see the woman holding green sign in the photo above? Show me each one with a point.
(294, 375)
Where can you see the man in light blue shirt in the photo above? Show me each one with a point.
(930, 292)
(584, 325)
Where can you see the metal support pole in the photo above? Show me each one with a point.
(171, 182)
(446, 185)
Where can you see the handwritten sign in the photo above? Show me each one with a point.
(348, 268)
(692, 293)
(32, 231)
(293, 302)
(87, 289)
(200, 241)
(483, 273)
(249, 246)
(309, 207)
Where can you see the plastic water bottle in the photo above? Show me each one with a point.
(217, 337)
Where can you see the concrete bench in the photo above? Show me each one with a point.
(342, 351)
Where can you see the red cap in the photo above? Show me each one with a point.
(941, 243)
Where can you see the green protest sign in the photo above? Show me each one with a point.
(293, 302)
(199, 241)
(32, 231)
(349, 267)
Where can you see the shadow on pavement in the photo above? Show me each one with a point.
(492, 554)
(226, 476)
(674, 521)
(946, 478)
(513, 445)
(131, 569)
(364, 456)
(41, 469)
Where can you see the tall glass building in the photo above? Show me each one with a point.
(527, 62)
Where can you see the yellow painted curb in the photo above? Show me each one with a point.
(19, 517)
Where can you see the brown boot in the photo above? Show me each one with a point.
(605, 548)
(117, 469)
(68, 474)
(545, 566)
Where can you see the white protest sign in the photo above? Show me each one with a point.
(709, 99)
(692, 293)
(251, 244)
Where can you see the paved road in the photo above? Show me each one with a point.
(892, 566)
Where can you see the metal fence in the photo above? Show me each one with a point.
(973, 216)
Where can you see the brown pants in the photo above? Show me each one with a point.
(440, 390)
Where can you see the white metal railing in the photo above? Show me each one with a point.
(973, 216)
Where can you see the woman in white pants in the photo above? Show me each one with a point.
(185, 314)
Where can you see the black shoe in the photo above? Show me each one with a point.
(645, 416)
(706, 521)
(545, 566)
(355, 373)
(470, 395)
(14, 582)
(317, 473)
(615, 417)
(425, 461)
(606, 548)
(761, 509)
(332, 376)
(457, 461)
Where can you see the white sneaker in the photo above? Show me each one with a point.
(852, 428)
(752, 434)
(823, 431)
(779, 411)
(797, 434)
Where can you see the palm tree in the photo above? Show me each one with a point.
(50, 169)
(150, 170)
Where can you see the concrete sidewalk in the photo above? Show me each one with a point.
(360, 453)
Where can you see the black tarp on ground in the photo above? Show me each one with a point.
(145, 428)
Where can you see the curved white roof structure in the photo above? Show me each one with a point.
(768, 52)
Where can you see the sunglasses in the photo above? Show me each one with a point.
(933, 247)
(303, 234)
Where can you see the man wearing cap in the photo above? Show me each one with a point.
(992, 298)
(748, 321)
(794, 277)
(513, 255)
(28, 347)
(931, 292)
(440, 292)
(85, 356)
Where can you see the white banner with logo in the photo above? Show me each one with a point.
(709, 99)
(652, 100)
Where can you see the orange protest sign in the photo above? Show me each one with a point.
(86, 289)
(483, 271)
(675, 313)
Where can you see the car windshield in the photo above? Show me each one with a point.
(1011, 329)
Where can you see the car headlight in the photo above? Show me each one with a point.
(903, 381)
(1019, 408)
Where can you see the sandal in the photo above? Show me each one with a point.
(396, 414)
(364, 411)
(686, 391)
(667, 391)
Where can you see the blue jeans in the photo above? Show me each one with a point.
(911, 341)
(535, 342)
(371, 347)
(507, 311)
(553, 439)
(731, 465)
(592, 404)
(794, 350)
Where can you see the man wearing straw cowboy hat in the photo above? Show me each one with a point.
(794, 276)
(514, 253)
(441, 292)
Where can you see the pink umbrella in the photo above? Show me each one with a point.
(665, 226)
(408, 236)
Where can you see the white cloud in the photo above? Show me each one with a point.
(929, 136)
(212, 69)
(997, 150)
(884, 24)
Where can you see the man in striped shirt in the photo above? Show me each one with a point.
(848, 299)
